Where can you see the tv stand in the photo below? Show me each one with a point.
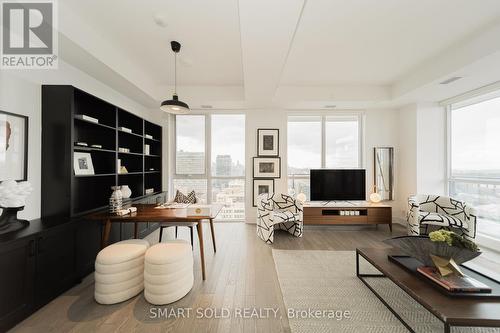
(347, 213)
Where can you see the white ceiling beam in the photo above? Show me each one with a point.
(267, 29)
(456, 57)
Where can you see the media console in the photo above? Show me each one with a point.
(347, 213)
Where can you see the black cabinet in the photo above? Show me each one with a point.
(88, 245)
(55, 263)
(17, 262)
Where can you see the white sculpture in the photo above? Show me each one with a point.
(14, 194)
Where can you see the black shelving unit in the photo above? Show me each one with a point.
(70, 195)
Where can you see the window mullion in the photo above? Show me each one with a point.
(323, 141)
(208, 156)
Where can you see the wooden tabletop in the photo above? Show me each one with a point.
(456, 311)
(149, 213)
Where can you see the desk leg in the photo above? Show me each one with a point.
(213, 233)
(199, 227)
(105, 234)
(135, 230)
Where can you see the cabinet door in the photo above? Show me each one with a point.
(55, 263)
(88, 245)
(17, 262)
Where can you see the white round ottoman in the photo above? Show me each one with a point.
(168, 272)
(119, 271)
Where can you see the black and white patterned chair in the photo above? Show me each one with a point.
(278, 211)
(444, 212)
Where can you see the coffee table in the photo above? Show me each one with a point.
(452, 311)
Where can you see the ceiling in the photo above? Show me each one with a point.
(285, 53)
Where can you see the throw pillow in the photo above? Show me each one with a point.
(182, 198)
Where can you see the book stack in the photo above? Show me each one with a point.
(454, 283)
(87, 118)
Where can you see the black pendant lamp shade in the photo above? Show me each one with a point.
(174, 105)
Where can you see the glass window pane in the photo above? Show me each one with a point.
(475, 136)
(230, 193)
(342, 143)
(187, 185)
(228, 145)
(190, 145)
(304, 144)
(300, 185)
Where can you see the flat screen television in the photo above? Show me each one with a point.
(338, 184)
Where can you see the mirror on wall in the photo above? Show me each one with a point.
(384, 172)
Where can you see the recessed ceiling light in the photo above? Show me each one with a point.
(160, 20)
(450, 80)
(330, 106)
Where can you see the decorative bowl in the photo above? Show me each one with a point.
(421, 247)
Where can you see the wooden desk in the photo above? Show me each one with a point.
(149, 213)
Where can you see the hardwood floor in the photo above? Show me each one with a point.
(241, 275)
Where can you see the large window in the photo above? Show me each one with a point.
(321, 142)
(210, 159)
(474, 158)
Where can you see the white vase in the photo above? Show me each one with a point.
(126, 191)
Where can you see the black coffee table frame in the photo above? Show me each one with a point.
(362, 277)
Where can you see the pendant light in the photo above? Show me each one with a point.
(174, 105)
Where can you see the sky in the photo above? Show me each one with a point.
(228, 135)
(475, 136)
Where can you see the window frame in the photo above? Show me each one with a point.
(207, 175)
(323, 115)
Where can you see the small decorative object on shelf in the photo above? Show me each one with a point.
(123, 170)
(116, 200)
(118, 165)
(126, 191)
(87, 118)
(147, 136)
(151, 169)
(150, 191)
(125, 129)
(12, 200)
(445, 245)
(96, 146)
(146, 149)
(81, 144)
(82, 164)
(123, 150)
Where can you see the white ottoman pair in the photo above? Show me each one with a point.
(119, 271)
(168, 272)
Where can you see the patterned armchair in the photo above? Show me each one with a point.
(278, 211)
(445, 212)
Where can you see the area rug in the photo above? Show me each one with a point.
(322, 294)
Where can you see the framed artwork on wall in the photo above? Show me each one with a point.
(266, 167)
(261, 186)
(268, 142)
(13, 146)
(82, 164)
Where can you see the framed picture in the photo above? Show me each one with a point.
(13, 146)
(82, 164)
(268, 142)
(261, 186)
(266, 167)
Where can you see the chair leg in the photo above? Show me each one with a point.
(191, 231)
(161, 234)
(176, 232)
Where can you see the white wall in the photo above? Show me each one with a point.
(20, 92)
(422, 151)
(431, 149)
(22, 97)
